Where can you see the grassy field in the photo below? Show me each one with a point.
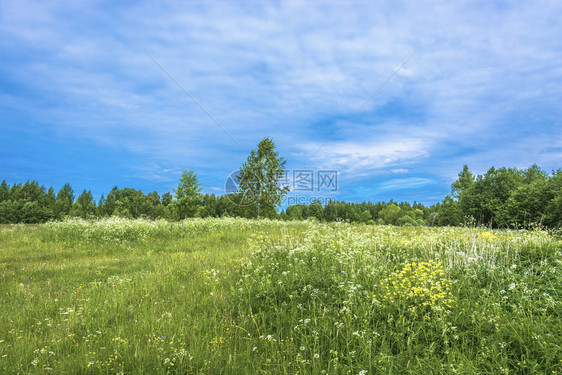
(234, 296)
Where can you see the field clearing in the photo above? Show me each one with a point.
(236, 296)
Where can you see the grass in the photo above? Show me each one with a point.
(234, 296)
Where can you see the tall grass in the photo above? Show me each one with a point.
(236, 296)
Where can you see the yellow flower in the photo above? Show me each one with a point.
(418, 284)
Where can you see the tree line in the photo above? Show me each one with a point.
(500, 198)
(403, 213)
(34, 203)
(504, 197)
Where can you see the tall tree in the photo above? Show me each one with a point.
(554, 207)
(187, 194)
(390, 213)
(465, 181)
(167, 199)
(316, 210)
(4, 191)
(65, 198)
(450, 213)
(50, 199)
(84, 205)
(259, 179)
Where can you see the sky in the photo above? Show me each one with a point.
(391, 98)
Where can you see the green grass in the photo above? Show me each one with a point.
(233, 296)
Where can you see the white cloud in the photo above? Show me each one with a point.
(293, 71)
(405, 183)
(361, 157)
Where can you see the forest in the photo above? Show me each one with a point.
(500, 198)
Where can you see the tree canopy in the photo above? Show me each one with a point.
(188, 194)
(259, 179)
(501, 197)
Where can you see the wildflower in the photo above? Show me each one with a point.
(418, 284)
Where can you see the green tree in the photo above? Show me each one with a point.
(209, 208)
(390, 213)
(315, 210)
(110, 202)
(167, 199)
(295, 212)
(187, 194)
(258, 180)
(366, 216)
(101, 205)
(331, 211)
(554, 208)
(449, 213)
(4, 191)
(465, 181)
(15, 192)
(65, 198)
(485, 200)
(84, 205)
(153, 205)
(405, 221)
(350, 213)
(32, 192)
(50, 199)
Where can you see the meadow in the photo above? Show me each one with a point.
(237, 296)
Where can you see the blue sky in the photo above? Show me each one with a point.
(81, 101)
